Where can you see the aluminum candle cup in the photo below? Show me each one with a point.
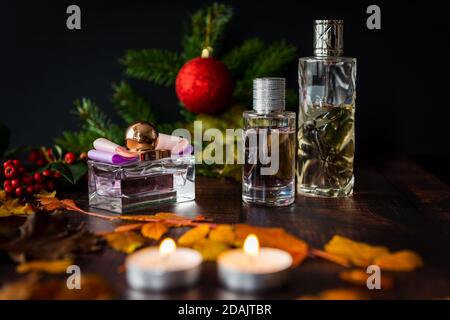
(254, 269)
(163, 268)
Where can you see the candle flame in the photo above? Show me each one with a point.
(251, 245)
(167, 247)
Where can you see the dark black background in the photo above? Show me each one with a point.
(402, 97)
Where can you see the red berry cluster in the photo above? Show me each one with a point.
(39, 158)
(19, 182)
(42, 157)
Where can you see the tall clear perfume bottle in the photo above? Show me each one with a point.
(326, 135)
(269, 139)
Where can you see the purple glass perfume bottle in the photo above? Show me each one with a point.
(126, 187)
(143, 174)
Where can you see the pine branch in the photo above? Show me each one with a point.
(291, 98)
(154, 65)
(240, 57)
(272, 61)
(169, 127)
(205, 29)
(187, 115)
(77, 142)
(130, 106)
(269, 63)
(96, 121)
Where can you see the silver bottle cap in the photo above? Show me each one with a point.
(268, 94)
(328, 38)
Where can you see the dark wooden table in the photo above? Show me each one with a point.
(397, 203)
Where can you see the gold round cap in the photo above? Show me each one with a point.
(141, 136)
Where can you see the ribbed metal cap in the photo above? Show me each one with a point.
(328, 38)
(268, 94)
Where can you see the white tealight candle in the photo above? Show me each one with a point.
(253, 268)
(163, 268)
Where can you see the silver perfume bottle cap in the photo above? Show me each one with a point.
(328, 38)
(269, 94)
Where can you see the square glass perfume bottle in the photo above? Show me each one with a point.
(127, 187)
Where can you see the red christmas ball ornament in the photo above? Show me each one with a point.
(204, 85)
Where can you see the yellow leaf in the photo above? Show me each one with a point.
(404, 260)
(168, 215)
(52, 266)
(330, 257)
(3, 195)
(358, 253)
(4, 212)
(210, 249)
(14, 207)
(126, 242)
(154, 230)
(222, 233)
(192, 236)
(359, 277)
(46, 194)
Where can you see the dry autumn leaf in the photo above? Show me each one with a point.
(3, 195)
(274, 238)
(126, 242)
(46, 194)
(189, 238)
(174, 216)
(21, 289)
(223, 233)
(51, 266)
(129, 227)
(342, 261)
(359, 277)
(169, 218)
(154, 230)
(337, 294)
(46, 236)
(32, 288)
(92, 287)
(404, 260)
(210, 249)
(11, 207)
(359, 254)
(362, 255)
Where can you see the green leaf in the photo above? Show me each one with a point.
(130, 106)
(78, 171)
(154, 65)
(205, 29)
(63, 170)
(57, 152)
(4, 138)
